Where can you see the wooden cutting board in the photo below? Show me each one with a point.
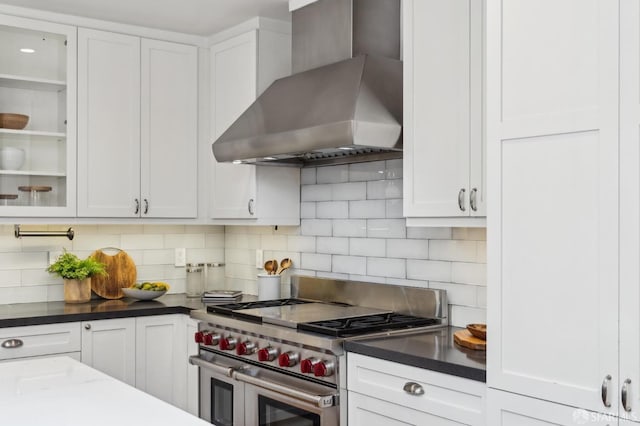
(121, 272)
(468, 340)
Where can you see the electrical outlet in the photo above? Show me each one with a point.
(53, 255)
(181, 257)
(259, 259)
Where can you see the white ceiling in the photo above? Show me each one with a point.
(200, 17)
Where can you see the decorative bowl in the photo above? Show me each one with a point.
(11, 158)
(135, 293)
(478, 330)
(13, 121)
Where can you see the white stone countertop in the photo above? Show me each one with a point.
(60, 391)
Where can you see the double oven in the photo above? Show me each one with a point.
(282, 363)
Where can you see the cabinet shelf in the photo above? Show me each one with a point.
(31, 173)
(29, 83)
(32, 133)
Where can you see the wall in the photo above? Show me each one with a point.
(23, 262)
(352, 227)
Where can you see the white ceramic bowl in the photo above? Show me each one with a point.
(11, 158)
(142, 294)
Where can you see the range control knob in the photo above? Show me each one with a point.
(211, 339)
(245, 348)
(228, 343)
(323, 369)
(267, 354)
(288, 359)
(199, 337)
(306, 365)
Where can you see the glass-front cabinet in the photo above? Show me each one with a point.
(37, 118)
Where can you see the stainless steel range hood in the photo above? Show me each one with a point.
(343, 104)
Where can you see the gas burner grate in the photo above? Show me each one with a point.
(343, 327)
(234, 309)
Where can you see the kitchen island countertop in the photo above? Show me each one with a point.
(60, 391)
(433, 350)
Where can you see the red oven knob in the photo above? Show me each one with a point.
(210, 339)
(306, 365)
(267, 354)
(323, 369)
(199, 337)
(228, 343)
(288, 359)
(245, 348)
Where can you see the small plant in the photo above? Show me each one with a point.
(70, 267)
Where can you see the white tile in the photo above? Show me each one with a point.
(460, 316)
(349, 191)
(365, 209)
(349, 228)
(475, 234)
(242, 241)
(41, 244)
(142, 241)
(458, 294)
(151, 272)
(18, 260)
(367, 247)
(308, 210)
(368, 279)
(454, 250)
(429, 233)
(118, 229)
(55, 293)
(317, 227)
(274, 242)
(428, 270)
(394, 209)
(384, 189)
(374, 170)
(204, 255)
(23, 294)
(482, 297)
(482, 252)
(384, 267)
(386, 228)
(332, 275)
(184, 240)
(332, 174)
(308, 176)
(408, 249)
(164, 229)
(332, 245)
(241, 256)
(10, 278)
(315, 192)
(31, 277)
(95, 241)
(332, 209)
(469, 273)
(214, 241)
(158, 257)
(315, 262)
(394, 169)
(286, 230)
(9, 244)
(350, 264)
(410, 283)
(301, 243)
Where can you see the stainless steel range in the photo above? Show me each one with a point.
(282, 361)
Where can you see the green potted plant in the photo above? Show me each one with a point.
(76, 274)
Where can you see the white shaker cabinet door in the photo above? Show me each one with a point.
(108, 124)
(552, 134)
(169, 126)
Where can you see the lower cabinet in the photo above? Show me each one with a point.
(387, 393)
(39, 341)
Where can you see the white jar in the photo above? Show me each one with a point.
(11, 158)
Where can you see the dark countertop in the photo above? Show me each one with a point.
(432, 350)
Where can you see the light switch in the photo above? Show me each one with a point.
(181, 257)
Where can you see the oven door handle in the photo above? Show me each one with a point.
(320, 401)
(197, 361)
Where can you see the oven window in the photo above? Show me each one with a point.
(276, 413)
(221, 403)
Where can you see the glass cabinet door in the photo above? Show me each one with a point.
(37, 118)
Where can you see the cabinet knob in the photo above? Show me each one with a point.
(461, 199)
(12, 343)
(413, 388)
(250, 207)
(87, 326)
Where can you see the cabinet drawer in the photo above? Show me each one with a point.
(40, 340)
(460, 400)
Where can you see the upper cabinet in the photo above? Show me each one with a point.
(242, 66)
(444, 173)
(137, 127)
(37, 79)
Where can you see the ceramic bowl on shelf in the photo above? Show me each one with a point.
(13, 121)
(11, 158)
(135, 293)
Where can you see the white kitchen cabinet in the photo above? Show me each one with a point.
(40, 83)
(110, 346)
(40, 341)
(137, 126)
(241, 67)
(444, 150)
(552, 139)
(193, 371)
(378, 393)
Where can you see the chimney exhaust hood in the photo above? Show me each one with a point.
(343, 104)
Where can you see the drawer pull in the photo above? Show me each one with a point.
(12, 343)
(413, 388)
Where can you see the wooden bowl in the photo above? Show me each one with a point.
(478, 330)
(13, 121)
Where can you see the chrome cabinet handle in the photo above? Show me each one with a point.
(461, 199)
(137, 210)
(605, 391)
(413, 388)
(12, 343)
(624, 394)
(250, 207)
(473, 202)
(87, 326)
(146, 206)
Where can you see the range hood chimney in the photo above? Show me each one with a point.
(343, 104)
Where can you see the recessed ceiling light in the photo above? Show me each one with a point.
(27, 50)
